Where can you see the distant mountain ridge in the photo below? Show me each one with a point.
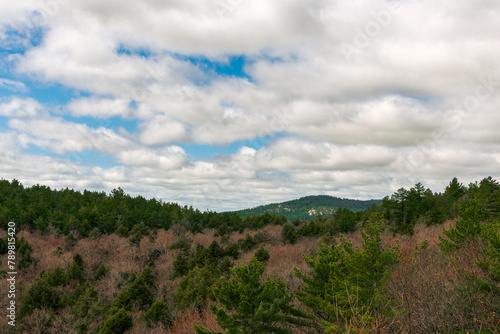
(310, 206)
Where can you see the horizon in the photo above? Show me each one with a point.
(223, 104)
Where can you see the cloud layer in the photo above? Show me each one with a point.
(348, 98)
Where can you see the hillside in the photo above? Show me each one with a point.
(308, 207)
(97, 263)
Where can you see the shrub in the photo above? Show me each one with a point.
(182, 244)
(24, 251)
(180, 266)
(196, 287)
(289, 234)
(137, 232)
(261, 255)
(40, 294)
(138, 291)
(75, 271)
(247, 243)
(159, 312)
(117, 323)
(232, 250)
(100, 272)
(57, 277)
(88, 307)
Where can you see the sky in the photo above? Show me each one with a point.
(229, 104)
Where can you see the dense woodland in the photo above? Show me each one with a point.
(91, 262)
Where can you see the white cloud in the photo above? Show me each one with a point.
(172, 157)
(99, 107)
(12, 85)
(415, 98)
(62, 137)
(21, 108)
(158, 131)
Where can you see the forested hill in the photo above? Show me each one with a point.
(309, 207)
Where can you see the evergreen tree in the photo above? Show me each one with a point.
(75, 271)
(180, 266)
(196, 287)
(40, 294)
(251, 307)
(455, 189)
(117, 323)
(466, 229)
(289, 234)
(158, 312)
(346, 284)
(261, 255)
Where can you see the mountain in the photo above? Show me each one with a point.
(309, 207)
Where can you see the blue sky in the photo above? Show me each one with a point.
(228, 105)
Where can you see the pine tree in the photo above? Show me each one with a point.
(251, 307)
(346, 286)
(466, 229)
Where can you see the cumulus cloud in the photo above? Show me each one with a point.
(62, 137)
(99, 107)
(21, 108)
(157, 132)
(172, 157)
(348, 98)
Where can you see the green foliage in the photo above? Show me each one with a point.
(139, 290)
(196, 287)
(261, 255)
(180, 266)
(39, 295)
(138, 232)
(100, 272)
(369, 267)
(206, 265)
(232, 250)
(70, 210)
(312, 228)
(289, 234)
(345, 220)
(159, 312)
(122, 230)
(200, 257)
(346, 282)
(247, 243)
(406, 207)
(214, 251)
(57, 277)
(75, 271)
(4, 244)
(88, 307)
(491, 262)
(252, 307)
(225, 265)
(24, 251)
(182, 244)
(300, 208)
(455, 189)
(466, 229)
(117, 323)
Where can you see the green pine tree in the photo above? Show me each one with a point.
(251, 307)
(346, 286)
